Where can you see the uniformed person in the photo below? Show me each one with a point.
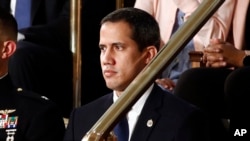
(24, 115)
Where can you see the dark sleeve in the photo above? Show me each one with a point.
(46, 124)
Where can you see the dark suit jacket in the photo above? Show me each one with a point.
(35, 118)
(173, 119)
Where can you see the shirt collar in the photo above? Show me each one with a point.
(140, 103)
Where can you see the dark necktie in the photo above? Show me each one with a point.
(121, 130)
(23, 13)
(179, 20)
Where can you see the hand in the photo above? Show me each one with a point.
(166, 83)
(222, 54)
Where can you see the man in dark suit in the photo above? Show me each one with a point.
(24, 115)
(127, 45)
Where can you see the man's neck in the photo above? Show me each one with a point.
(3, 75)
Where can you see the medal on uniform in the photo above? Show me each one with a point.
(9, 123)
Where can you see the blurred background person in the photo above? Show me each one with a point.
(171, 14)
(224, 81)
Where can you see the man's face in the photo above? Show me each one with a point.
(120, 57)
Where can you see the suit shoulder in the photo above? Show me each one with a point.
(180, 105)
(105, 101)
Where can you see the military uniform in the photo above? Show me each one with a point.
(27, 116)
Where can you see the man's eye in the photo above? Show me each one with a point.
(119, 47)
(102, 48)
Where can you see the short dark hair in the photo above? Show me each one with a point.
(8, 26)
(145, 29)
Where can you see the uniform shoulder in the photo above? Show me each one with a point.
(31, 96)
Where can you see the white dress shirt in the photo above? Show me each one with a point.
(135, 111)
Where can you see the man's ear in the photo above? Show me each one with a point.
(151, 53)
(9, 47)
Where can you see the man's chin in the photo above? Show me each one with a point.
(114, 86)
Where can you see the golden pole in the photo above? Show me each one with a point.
(75, 31)
(133, 92)
(119, 4)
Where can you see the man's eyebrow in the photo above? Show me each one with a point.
(118, 43)
(113, 44)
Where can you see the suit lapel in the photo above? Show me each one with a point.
(149, 116)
